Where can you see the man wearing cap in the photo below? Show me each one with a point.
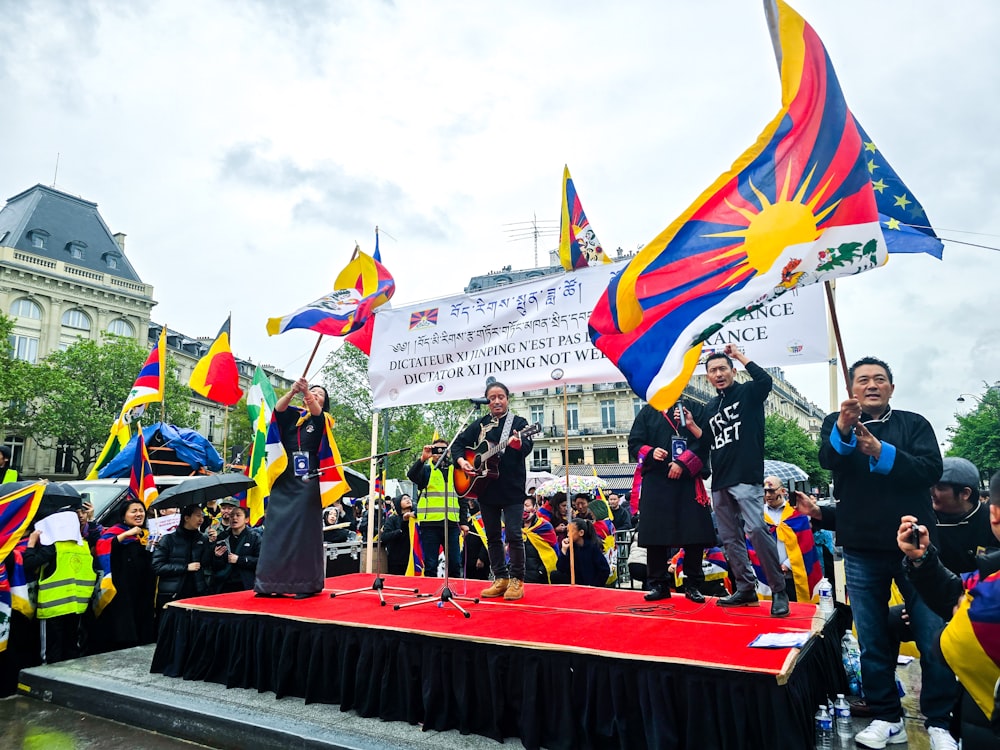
(7, 473)
(963, 523)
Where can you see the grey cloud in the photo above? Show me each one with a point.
(335, 197)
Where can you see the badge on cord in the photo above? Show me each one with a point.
(300, 463)
(677, 447)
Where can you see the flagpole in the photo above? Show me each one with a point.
(836, 332)
(225, 432)
(372, 500)
(569, 505)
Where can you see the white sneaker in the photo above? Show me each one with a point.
(941, 739)
(880, 733)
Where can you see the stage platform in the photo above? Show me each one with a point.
(566, 667)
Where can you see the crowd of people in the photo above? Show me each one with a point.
(904, 518)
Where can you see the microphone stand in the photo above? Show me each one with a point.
(444, 594)
(378, 585)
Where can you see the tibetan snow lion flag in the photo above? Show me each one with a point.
(363, 285)
(141, 483)
(215, 376)
(803, 205)
(578, 245)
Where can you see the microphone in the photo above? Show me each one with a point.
(479, 401)
(683, 419)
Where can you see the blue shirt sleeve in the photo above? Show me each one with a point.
(885, 461)
(838, 444)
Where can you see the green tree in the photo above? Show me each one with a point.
(977, 436)
(15, 385)
(345, 377)
(786, 440)
(79, 392)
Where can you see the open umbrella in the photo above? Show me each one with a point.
(58, 496)
(199, 490)
(577, 485)
(536, 478)
(357, 482)
(784, 471)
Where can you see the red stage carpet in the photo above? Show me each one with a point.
(603, 667)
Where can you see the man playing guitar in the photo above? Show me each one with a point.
(503, 498)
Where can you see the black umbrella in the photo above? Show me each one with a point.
(199, 490)
(58, 496)
(356, 481)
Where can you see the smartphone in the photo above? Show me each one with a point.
(915, 536)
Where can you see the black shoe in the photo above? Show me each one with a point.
(655, 594)
(739, 599)
(779, 604)
(692, 593)
(264, 595)
(307, 596)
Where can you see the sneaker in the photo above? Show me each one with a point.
(880, 733)
(497, 588)
(941, 739)
(515, 590)
(739, 599)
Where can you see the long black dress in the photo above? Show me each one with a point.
(128, 620)
(669, 514)
(291, 553)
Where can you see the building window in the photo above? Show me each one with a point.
(121, 327)
(16, 445)
(573, 414)
(111, 260)
(608, 414)
(76, 319)
(540, 457)
(37, 237)
(26, 308)
(24, 347)
(64, 459)
(605, 455)
(537, 414)
(575, 456)
(636, 407)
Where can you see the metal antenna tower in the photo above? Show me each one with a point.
(523, 230)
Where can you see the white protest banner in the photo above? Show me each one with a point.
(445, 349)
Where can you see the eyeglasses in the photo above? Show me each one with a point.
(771, 490)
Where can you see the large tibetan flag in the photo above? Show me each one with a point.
(578, 244)
(415, 565)
(798, 207)
(17, 509)
(970, 642)
(215, 376)
(363, 285)
(148, 387)
(141, 485)
(267, 456)
(362, 338)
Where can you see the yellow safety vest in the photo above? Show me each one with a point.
(67, 589)
(10, 476)
(431, 505)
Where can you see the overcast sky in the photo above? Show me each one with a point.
(244, 147)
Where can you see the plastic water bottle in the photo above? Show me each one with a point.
(851, 653)
(842, 711)
(824, 591)
(824, 729)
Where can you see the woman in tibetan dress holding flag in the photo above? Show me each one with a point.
(124, 603)
(292, 557)
(674, 508)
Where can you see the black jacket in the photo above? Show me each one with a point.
(238, 576)
(592, 567)
(734, 421)
(870, 504)
(171, 557)
(508, 487)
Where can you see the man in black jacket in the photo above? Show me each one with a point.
(735, 422)
(971, 598)
(883, 462)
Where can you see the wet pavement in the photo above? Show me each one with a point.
(29, 724)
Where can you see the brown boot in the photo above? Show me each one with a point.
(515, 590)
(497, 588)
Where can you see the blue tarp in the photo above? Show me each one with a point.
(190, 446)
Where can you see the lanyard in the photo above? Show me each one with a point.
(675, 428)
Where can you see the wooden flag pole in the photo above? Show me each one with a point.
(312, 356)
(569, 505)
(836, 333)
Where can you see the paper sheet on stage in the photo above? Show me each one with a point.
(794, 639)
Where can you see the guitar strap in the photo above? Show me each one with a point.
(508, 423)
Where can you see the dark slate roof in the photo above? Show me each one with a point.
(66, 219)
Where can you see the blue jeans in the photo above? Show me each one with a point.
(432, 540)
(869, 576)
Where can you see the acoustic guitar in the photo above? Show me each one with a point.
(485, 460)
